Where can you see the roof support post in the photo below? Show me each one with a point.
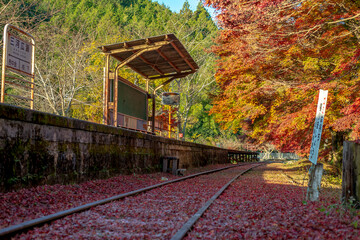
(106, 97)
(115, 94)
(153, 114)
(147, 85)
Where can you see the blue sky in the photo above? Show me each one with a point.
(176, 5)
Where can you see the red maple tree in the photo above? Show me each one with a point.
(274, 58)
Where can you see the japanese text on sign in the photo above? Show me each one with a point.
(19, 55)
(319, 120)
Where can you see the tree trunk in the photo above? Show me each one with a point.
(315, 175)
(351, 174)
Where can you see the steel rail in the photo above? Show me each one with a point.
(190, 223)
(22, 227)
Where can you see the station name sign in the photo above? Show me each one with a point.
(19, 55)
(170, 98)
(319, 120)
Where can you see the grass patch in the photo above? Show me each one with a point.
(298, 170)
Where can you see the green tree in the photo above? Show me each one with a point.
(69, 66)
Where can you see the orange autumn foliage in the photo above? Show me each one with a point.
(274, 58)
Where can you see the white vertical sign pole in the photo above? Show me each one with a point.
(319, 120)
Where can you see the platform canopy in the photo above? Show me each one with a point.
(154, 57)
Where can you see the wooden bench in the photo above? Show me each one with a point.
(170, 164)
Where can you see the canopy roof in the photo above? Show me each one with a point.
(154, 57)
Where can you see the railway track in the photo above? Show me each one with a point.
(190, 223)
(25, 226)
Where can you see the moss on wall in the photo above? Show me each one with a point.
(38, 148)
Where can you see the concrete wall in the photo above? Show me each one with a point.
(38, 148)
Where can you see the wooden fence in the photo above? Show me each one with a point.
(351, 173)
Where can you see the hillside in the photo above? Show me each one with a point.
(69, 65)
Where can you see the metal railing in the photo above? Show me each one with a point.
(242, 156)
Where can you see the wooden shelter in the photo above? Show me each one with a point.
(153, 58)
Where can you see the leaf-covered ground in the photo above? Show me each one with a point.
(156, 214)
(27, 204)
(265, 203)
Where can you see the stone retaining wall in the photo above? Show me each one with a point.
(38, 148)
